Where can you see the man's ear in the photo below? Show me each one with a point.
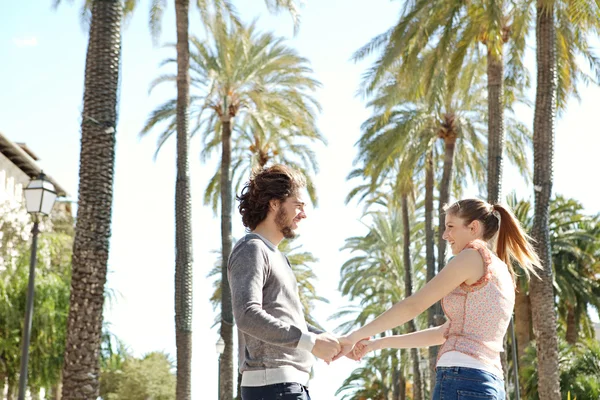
(274, 204)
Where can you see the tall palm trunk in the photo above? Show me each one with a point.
(522, 322)
(541, 290)
(81, 369)
(572, 325)
(402, 378)
(430, 255)
(183, 211)
(395, 384)
(226, 389)
(408, 286)
(495, 76)
(450, 145)
(522, 328)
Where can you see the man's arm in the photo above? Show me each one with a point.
(248, 268)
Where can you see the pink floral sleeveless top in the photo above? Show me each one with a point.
(479, 314)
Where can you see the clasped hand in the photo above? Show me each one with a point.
(329, 348)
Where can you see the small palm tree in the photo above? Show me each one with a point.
(374, 380)
(380, 276)
(579, 369)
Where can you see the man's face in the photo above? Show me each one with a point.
(289, 215)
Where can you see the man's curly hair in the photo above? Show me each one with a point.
(276, 182)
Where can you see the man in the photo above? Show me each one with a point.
(275, 341)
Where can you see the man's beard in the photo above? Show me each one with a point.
(281, 220)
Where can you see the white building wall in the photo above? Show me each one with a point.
(12, 180)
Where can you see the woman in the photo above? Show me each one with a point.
(477, 288)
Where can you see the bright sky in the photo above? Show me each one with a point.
(41, 90)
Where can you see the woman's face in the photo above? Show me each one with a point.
(458, 234)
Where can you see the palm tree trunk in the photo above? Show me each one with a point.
(402, 378)
(81, 369)
(408, 285)
(450, 145)
(395, 377)
(541, 290)
(522, 323)
(430, 255)
(522, 329)
(226, 371)
(183, 211)
(495, 75)
(495, 78)
(572, 325)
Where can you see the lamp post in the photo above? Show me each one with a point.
(39, 198)
(220, 345)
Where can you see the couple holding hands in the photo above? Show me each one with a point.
(477, 289)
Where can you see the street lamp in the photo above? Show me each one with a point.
(220, 346)
(39, 198)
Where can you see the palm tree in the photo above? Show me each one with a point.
(183, 211)
(401, 178)
(374, 380)
(376, 276)
(453, 30)
(542, 293)
(574, 242)
(558, 73)
(579, 371)
(251, 76)
(574, 239)
(400, 175)
(259, 142)
(408, 287)
(96, 170)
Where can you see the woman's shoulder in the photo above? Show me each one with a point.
(481, 248)
(479, 257)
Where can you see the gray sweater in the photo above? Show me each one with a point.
(267, 309)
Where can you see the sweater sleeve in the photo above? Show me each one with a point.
(248, 272)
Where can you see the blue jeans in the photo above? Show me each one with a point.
(461, 383)
(278, 391)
